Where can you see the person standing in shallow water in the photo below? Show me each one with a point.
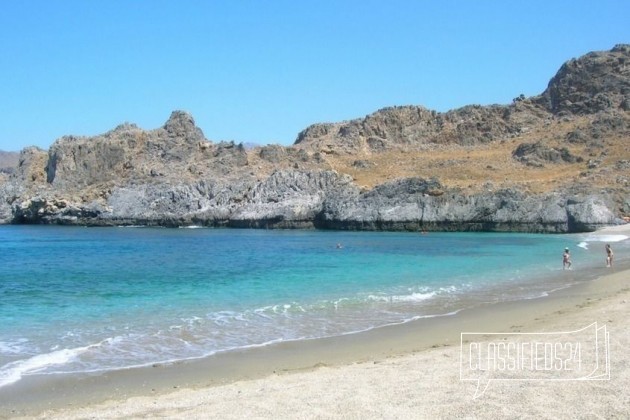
(609, 256)
(566, 259)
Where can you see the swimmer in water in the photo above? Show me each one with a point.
(609, 256)
(566, 259)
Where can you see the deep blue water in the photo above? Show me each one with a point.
(92, 299)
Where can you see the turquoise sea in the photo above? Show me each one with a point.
(95, 299)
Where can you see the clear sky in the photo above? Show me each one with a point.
(261, 71)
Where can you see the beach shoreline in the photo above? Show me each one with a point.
(333, 372)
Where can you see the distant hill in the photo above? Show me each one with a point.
(8, 161)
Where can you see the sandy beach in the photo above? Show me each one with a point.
(406, 371)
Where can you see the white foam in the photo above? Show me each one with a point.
(13, 372)
(583, 245)
(413, 297)
(223, 318)
(338, 302)
(448, 289)
(286, 309)
(606, 238)
(13, 347)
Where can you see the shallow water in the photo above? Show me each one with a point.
(93, 299)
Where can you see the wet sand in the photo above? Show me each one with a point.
(404, 371)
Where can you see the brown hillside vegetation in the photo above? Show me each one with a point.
(602, 165)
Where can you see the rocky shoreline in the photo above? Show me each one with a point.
(173, 176)
(323, 200)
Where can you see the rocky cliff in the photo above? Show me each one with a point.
(556, 162)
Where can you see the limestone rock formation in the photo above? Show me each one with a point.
(595, 82)
(412, 126)
(536, 154)
(556, 162)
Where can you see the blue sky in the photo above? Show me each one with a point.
(261, 71)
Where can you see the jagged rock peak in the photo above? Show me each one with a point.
(121, 130)
(126, 126)
(179, 120)
(591, 83)
(182, 125)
